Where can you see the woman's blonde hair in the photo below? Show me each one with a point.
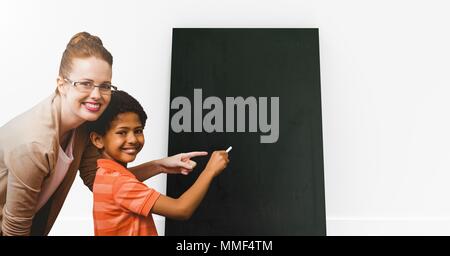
(83, 45)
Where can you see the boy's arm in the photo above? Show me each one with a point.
(183, 207)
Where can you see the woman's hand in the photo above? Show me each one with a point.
(180, 163)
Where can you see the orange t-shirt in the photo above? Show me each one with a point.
(122, 204)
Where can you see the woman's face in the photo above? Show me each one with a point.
(82, 105)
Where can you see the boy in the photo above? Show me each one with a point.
(123, 205)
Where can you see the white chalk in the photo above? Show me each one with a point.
(229, 149)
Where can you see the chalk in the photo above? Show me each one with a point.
(229, 149)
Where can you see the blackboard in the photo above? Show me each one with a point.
(272, 188)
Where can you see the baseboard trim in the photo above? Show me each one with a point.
(438, 226)
(75, 226)
(430, 226)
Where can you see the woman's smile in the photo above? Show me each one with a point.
(92, 106)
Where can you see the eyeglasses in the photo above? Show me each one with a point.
(89, 86)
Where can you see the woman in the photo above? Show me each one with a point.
(42, 149)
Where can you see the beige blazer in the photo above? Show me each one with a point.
(28, 152)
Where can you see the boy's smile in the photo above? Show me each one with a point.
(124, 139)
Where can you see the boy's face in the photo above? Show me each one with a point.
(123, 141)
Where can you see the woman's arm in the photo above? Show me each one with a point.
(183, 207)
(180, 163)
(146, 170)
(27, 168)
(88, 164)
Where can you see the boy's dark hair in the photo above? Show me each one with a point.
(121, 102)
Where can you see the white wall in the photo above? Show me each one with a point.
(385, 88)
